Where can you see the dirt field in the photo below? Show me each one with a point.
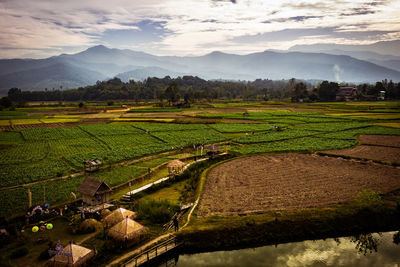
(382, 140)
(290, 181)
(382, 153)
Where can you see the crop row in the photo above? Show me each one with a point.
(108, 129)
(166, 127)
(274, 136)
(240, 128)
(184, 138)
(15, 174)
(53, 133)
(300, 144)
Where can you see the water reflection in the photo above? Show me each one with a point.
(363, 250)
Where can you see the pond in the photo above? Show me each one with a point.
(377, 249)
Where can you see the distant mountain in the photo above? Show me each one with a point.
(143, 73)
(385, 48)
(100, 63)
(50, 76)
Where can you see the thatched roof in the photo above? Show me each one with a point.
(72, 255)
(176, 163)
(127, 229)
(118, 215)
(90, 186)
(212, 148)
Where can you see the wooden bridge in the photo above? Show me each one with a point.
(153, 252)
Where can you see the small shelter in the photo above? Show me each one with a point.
(127, 231)
(175, 166)
(92, 165)
(94, 192)
(212, 150)
(71, 255)
(118, 215)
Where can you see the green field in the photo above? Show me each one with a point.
(30, 157)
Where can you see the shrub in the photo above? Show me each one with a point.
(155, 211)
(368, 199)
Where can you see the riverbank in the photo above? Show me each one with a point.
(217, 233)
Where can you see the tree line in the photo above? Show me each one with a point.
(192, 89)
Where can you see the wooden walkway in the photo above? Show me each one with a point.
(127, 196)
(153, 252)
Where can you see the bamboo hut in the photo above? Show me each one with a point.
(118, 215)
(175, 166)
(71, 255)
(127, 231)
(212, 150)
(94, 192)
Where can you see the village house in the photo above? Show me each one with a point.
(346, 94)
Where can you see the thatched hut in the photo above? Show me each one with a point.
(175, 166)
(118, 215)
(71, 255)
(127, 231)
(94, 192)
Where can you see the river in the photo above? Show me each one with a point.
(377, 249)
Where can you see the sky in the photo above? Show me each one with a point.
(43, 28)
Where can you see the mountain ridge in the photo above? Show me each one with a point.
(100, 62)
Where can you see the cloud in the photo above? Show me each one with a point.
(181, 27)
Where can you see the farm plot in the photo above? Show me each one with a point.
(288, 182)
(393, 141)
(380, 153)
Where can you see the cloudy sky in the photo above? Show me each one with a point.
(42, 28)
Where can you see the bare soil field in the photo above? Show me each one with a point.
(290, 181)
(381, 140)
(381, 153)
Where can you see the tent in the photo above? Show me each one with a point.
(71, 255)
(127, 231)
(118, 215)
(175, 166)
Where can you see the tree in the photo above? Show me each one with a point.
(327, 91)
(172, 93)
(5, 102)
(15, 94)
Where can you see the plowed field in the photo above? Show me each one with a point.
(290, 181)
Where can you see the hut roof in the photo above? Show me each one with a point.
(126, 229)
(212, 148)
(72, 255)
(91, 186)
(118, 215)
(176, 163)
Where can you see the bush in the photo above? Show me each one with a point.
(368, 199)
(158, 212)
(19, 253)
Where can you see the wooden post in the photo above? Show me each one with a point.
(156, 251)
(29, 197)
(44, 193)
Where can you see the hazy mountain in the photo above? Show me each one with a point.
(50, 76)
(143, 73)
(100, 62)
(384, 48)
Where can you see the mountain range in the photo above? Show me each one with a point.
(324, 62)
